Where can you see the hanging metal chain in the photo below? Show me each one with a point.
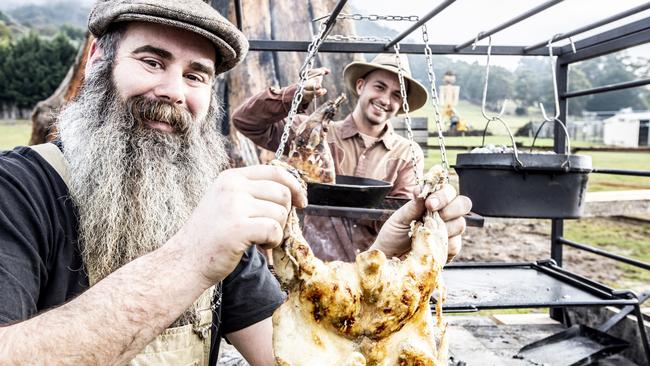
(297, 97)
(406, 108)
(374, 17)
(434, 98)
(339, 37)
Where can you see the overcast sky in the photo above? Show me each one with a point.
(464, 19)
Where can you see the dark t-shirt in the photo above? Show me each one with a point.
(41, 265)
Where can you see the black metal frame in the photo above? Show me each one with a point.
(605, 295)
(622, 37)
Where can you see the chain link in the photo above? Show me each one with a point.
(406, 108)
(339, 37)
(375, 17)
(434, 98)
(297, 97)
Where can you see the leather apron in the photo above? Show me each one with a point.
(187, 345)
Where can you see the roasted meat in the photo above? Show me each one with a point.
(309, 151)
(371, 312)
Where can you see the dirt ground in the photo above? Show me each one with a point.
(510, 240)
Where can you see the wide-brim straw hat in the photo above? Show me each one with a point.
(192, 15)
(416, 95)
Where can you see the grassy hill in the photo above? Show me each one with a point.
(47, 19)
(472, 114)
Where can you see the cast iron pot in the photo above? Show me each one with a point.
(348, 191)
(524, 185)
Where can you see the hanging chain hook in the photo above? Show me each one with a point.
(476, 40)
(406, 108)
(556, 100)
(556, 96)
(485, 86)
(297, 97)
(434, 99)
(573, 45)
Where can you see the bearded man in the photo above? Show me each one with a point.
(133, 245)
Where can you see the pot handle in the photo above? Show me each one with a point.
(567, 150)
(518, 163)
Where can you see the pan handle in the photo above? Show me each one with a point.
(518, 163)
(567, 150)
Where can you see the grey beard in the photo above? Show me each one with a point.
(134, 187)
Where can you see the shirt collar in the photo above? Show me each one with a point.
(349, 129)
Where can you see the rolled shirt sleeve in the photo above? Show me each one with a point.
(250, 293)
(262, 118)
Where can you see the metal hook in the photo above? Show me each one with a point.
(573, 45)
(476, 40)
(555, 93)
(485, 87)
(325, 17)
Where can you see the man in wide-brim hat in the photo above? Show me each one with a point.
(357, 71)
(363, 144)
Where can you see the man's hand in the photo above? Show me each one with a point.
(393, 237)
(314, 84)
(243, 207)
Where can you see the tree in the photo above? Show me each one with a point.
(500, 86)
(4, 97)
(578, 81)
(34, 68)
(74, 33)
(5, 34)
(612, 69)
(532, 77)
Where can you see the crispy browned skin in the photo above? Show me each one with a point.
(371, 312)
(309, 151)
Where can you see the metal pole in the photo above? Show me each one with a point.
(377, 47)
(610, 41)
(636, 173)
(417, 25)
(238, 15)
(605, 253)
(607, 88)
(559, 146)
(559, 143)
(642, 333)
(332, 19)
(507, 24)
(591, 26)
(562, 78)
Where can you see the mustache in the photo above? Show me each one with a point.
(143, 108)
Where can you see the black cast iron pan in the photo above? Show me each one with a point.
(348, 191)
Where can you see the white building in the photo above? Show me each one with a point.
(627, 129)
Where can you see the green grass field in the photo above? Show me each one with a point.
(14, 133)
(472, 114)
(623, 237)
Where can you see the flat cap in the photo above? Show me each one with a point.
(192, 15)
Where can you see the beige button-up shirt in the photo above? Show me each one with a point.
(262, 119)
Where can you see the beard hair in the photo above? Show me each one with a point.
(134, 187)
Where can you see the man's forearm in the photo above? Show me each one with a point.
(112, 321)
